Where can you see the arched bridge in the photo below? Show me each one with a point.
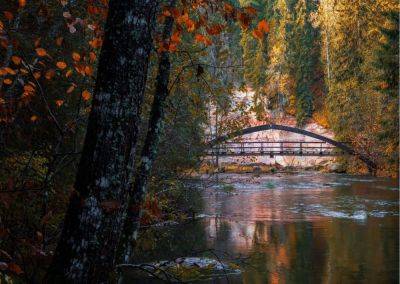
(221, 146)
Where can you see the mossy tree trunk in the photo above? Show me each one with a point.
(94, 219)
(149, 151)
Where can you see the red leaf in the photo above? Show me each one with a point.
(215, 29)
(15, 268)
(110, 206)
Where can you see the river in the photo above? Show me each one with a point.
(291, 228)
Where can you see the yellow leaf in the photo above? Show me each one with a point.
(16, 60)
(23, 71)
(41, 51)
(61, 64)
(69, 73)
(34, 118)
(7, 81)
(86, 95)
(76, 56)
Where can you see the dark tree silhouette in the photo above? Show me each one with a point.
(87, 247)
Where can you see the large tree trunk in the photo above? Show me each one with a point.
(94, 219)
(149, 151)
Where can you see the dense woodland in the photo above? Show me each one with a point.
(138, 79)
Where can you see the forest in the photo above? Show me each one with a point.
(106, 107)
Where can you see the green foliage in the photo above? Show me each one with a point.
(302, 55)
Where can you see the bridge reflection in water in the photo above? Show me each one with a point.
(275, 148)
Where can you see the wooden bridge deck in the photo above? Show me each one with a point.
(274, 148)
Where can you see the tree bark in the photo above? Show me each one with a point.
(149, 150)
(93, 222)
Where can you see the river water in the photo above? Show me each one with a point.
(291, 228)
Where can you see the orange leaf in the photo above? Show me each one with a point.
(15, 268)
(41, 51)
(86, 95)
(59, 102)
(166, 13)
(76, 56)
(16, 60)
(176, 37)
(22, 3)
(182, 18)
(71, 89)
(59, 41)
(96, 43)
(29, 88)
(36, 75)
(263, 26)
(92, 56)
(61, 64)
(10, 71)
(384, 85)
(37, 41)
(172, 47)
(88, 70)
(50, 74)
(251, 10)
(7, 81)
(190, 25)
(69, 73)
(34, 118)
(203, 39)
(228, 8)
(257, 34)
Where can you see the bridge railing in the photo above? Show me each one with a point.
(284, 148)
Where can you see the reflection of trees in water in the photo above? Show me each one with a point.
(339, 251)
(286, 252)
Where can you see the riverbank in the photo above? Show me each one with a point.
(262, 168)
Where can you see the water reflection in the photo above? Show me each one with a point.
(335, 251)
(296, 229)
